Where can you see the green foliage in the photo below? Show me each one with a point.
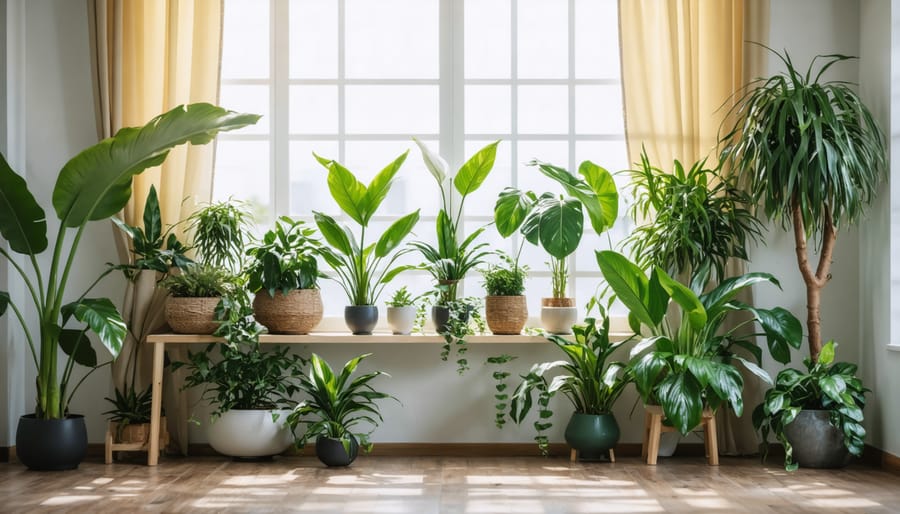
(220, 232)
(697, 220)
(799, 140)
(93, 185)
(590, 382)
(130, 408)
(337, 403)
(826, 385)
(505, 280)
(363, 270)
(285, 259)
(464, 320)
(147, 243)
(401, 298)
(500, 386)
(690, 365)
(201, 281)
(454, 257)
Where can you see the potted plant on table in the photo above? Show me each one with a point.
(505, 308)
(812, 157)
(556, 224)
(337, 405)
(363, 269)
(283, 273)
(93, 185)
(194, 294)
(591, 383)
(401, 312)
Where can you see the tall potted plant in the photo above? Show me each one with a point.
(283, 273)
(363, 269)
(813, 157)
(93, 185)
(556, 224)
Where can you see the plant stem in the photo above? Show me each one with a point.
(815, 280)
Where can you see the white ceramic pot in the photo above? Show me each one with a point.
(250, 433)
(558, 320)
(401, 319)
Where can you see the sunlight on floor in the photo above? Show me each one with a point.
(69, 500)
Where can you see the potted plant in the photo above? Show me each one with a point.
(283, 273)
(93, 185)
(556, 224)
(401, 312)
(249, 389)
(832, 397)
(220, 233)
(812, 157)
(336, 406)
(689, 366)
(362, 269)
(591, 383)
(505, 308)
(194, 294)
(454, 256)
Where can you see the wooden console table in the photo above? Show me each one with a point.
(159, 342)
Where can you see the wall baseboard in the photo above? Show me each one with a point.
(879, 458)
(4, 454)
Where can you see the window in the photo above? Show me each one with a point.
(354, 80)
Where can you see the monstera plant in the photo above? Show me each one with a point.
(93, 185)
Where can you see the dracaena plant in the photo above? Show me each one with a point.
(454, 257)
(363, 268)
(556, 222)
(689, 364)
(93, 185)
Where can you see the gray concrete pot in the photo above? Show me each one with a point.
(816, 442)
(361, 319)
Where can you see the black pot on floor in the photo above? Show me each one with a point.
(332, 452)
(51, 444)
(816, 442)
(361, 319)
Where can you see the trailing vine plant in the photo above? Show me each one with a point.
(501, 396)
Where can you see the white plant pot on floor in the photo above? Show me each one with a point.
(250, 433)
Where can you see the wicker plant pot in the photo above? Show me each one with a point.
(506, 315)
(191, 315)
(297, 313)
(551, 301)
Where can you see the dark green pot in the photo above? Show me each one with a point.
(592, 435)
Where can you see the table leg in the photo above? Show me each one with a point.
(159, 351)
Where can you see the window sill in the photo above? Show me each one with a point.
(893, 348)
(343, 337)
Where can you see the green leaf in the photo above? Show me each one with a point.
(826, 356)
(727, 383)
(380, 186)
(647, 373)
(152, 216)
(22, 221)
(685, 298)
(562, 224)
(628, 282)
(4, 302)
(96, 183)
(349, 193)
(76, 344)
(103, 319)
(682, 402)
(333, 233)
(604, 187)
(512, 206)
(396, 271)
(393, 236)
(730, 287)
(834, 387)
(476, 169)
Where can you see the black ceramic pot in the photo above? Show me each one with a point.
(361, 319)
(440, 316)
(51, 444)
(816, 442)
(332, 452)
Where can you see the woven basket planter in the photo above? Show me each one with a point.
(297, 313)
(505, 315)
(191, 315)
(557, 302)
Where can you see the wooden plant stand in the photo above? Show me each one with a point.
(653, 429)
(141, 433)
(573, 456)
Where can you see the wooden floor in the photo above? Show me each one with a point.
(423, 485)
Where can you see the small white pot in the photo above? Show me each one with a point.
(401, 319)
(250, 433)
(558, 320)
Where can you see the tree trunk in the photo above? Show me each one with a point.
(815, 280)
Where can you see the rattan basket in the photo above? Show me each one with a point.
(191, 315)
(552, 301)
(297, 313)
(505, 315)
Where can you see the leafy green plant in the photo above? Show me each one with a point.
(453, 258)
(220, 231)
(463, 319)
(93, 185)
(337, 403)
(363, 270)
(590, 383)
(501, 395)
(401, 298)
(148, 242)
(201, 281)
(285, 259)
(505, 280)
(688, 366)
(696, 220)
(826, 385)
(812, 156)
(556, 222)
(130, 407)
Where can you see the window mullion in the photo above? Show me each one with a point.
(280, 168)
(573, 263)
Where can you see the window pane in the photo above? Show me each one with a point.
(245, 40)
(608, 154)
(596, 39)
(314, 110)
(487, 39)
(598, 110)
(309, 189)
(254, 99)
(543, 109)
(242, 172)
(530, 177)
(413, 187)
(481, 202)
(392, 39)
(535, 289)
(314, 40)
(392, 110)
(488, 110)
(543, 38)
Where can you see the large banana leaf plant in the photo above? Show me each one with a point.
(556, 222)
(93, 185)
(690, 365)
(358, 265)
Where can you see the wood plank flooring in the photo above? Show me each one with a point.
(448, 485)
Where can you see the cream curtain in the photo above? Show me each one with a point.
(682, 62)
(148, 57)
